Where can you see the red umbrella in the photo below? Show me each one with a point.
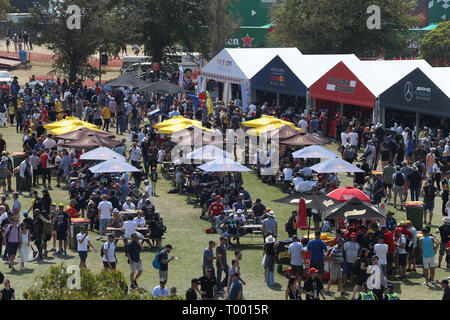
(301, 215)
(347, 193)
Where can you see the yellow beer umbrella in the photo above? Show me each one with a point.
(275, 128)
(73, 127)
(61, 123)
(179, 127)
(177, 120)
(266, 120)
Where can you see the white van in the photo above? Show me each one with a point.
(129, 60)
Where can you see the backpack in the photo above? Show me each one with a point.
(102, 250)
(2, 108)
(399, 179)
(155, 262)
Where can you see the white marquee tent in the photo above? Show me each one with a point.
(238, 66)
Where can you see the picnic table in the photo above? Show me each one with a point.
(121, 229)
(132, 212)
(252, 230)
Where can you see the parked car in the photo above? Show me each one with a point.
(5, 80)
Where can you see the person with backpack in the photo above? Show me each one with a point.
(349, 153)
(108, 253)
(399, 179)
(429, 192)
(163, 262)
(402, 246)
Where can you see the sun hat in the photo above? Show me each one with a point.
(271, 214)
(238, 211)
(353, 234)
(446, 219)
(270, 239)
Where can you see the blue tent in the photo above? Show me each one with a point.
(277, 77)
(417, 93)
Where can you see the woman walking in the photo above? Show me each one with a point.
(269, 261)
(154, 179)
(361, 273)
(26, 253)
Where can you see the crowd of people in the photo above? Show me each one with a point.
(123, 203)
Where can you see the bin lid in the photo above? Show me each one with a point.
(18, 154)
(413, 204)
(80, 220)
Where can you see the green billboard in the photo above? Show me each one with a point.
(438, 11)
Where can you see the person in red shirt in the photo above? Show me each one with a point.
(389, 240)
(71, 210)
(44, 115)
(46, 171)
(214, 210)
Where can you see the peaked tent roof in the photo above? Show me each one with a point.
(242, 64)
(422, 91)
(361, 82)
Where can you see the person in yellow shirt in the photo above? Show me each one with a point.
(106, 117)
(12, 112)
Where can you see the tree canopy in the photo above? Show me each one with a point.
(435, 46)
(329, 26)
(100, 27)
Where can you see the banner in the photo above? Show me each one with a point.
(246, 94)
(301, 215)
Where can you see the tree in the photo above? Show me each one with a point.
(5, 7)
(330, 26)
(74, 47)
(222, 23)
(162, 26)
(435, 46)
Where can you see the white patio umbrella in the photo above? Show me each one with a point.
(315, 151)
(101, 153)
(208, 152)
(335, 165)
(223, 165)
(113, 166)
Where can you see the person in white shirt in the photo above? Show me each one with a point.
(307, 172)
(240, 218)
(287, 173)
(252, 109)
(128, 205)
(105, 210)
(83, 244)
(381, 250)
(303, 124)
(148, 188)
(161, 290)
(135, 154)
(109, 253)
(49, 143)
(161, 155)
(353, 136)
(344, 138)
(297, 258)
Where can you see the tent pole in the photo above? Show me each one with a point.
(278, 100)
(342, 109)
(309, 225)
(417, 124)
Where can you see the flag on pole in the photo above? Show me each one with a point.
(301, 215)
(181, 81)
(209, 103)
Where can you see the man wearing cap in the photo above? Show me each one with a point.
(336, 264)
(366, 294)
(128, 205)
(239, 204)
(444, 232)
(313, 286)
(214, 210)
(163, 259)
(191, 293)
(63, 222)
(160, 290)
(429, 192)
(445, 286)
(351, 249)
(148, 189)
(235, 290)
(269, 224)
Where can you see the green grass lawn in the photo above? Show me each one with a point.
(186, 232)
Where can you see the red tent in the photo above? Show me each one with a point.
(347, 193)
(341, 85)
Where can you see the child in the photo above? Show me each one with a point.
(26, 253)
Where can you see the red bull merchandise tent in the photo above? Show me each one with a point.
(360, 83)
(238, 66)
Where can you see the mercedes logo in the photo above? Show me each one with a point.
(408, 91)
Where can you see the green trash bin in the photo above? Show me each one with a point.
(17, 158)
(414, 213)
(74, 230)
